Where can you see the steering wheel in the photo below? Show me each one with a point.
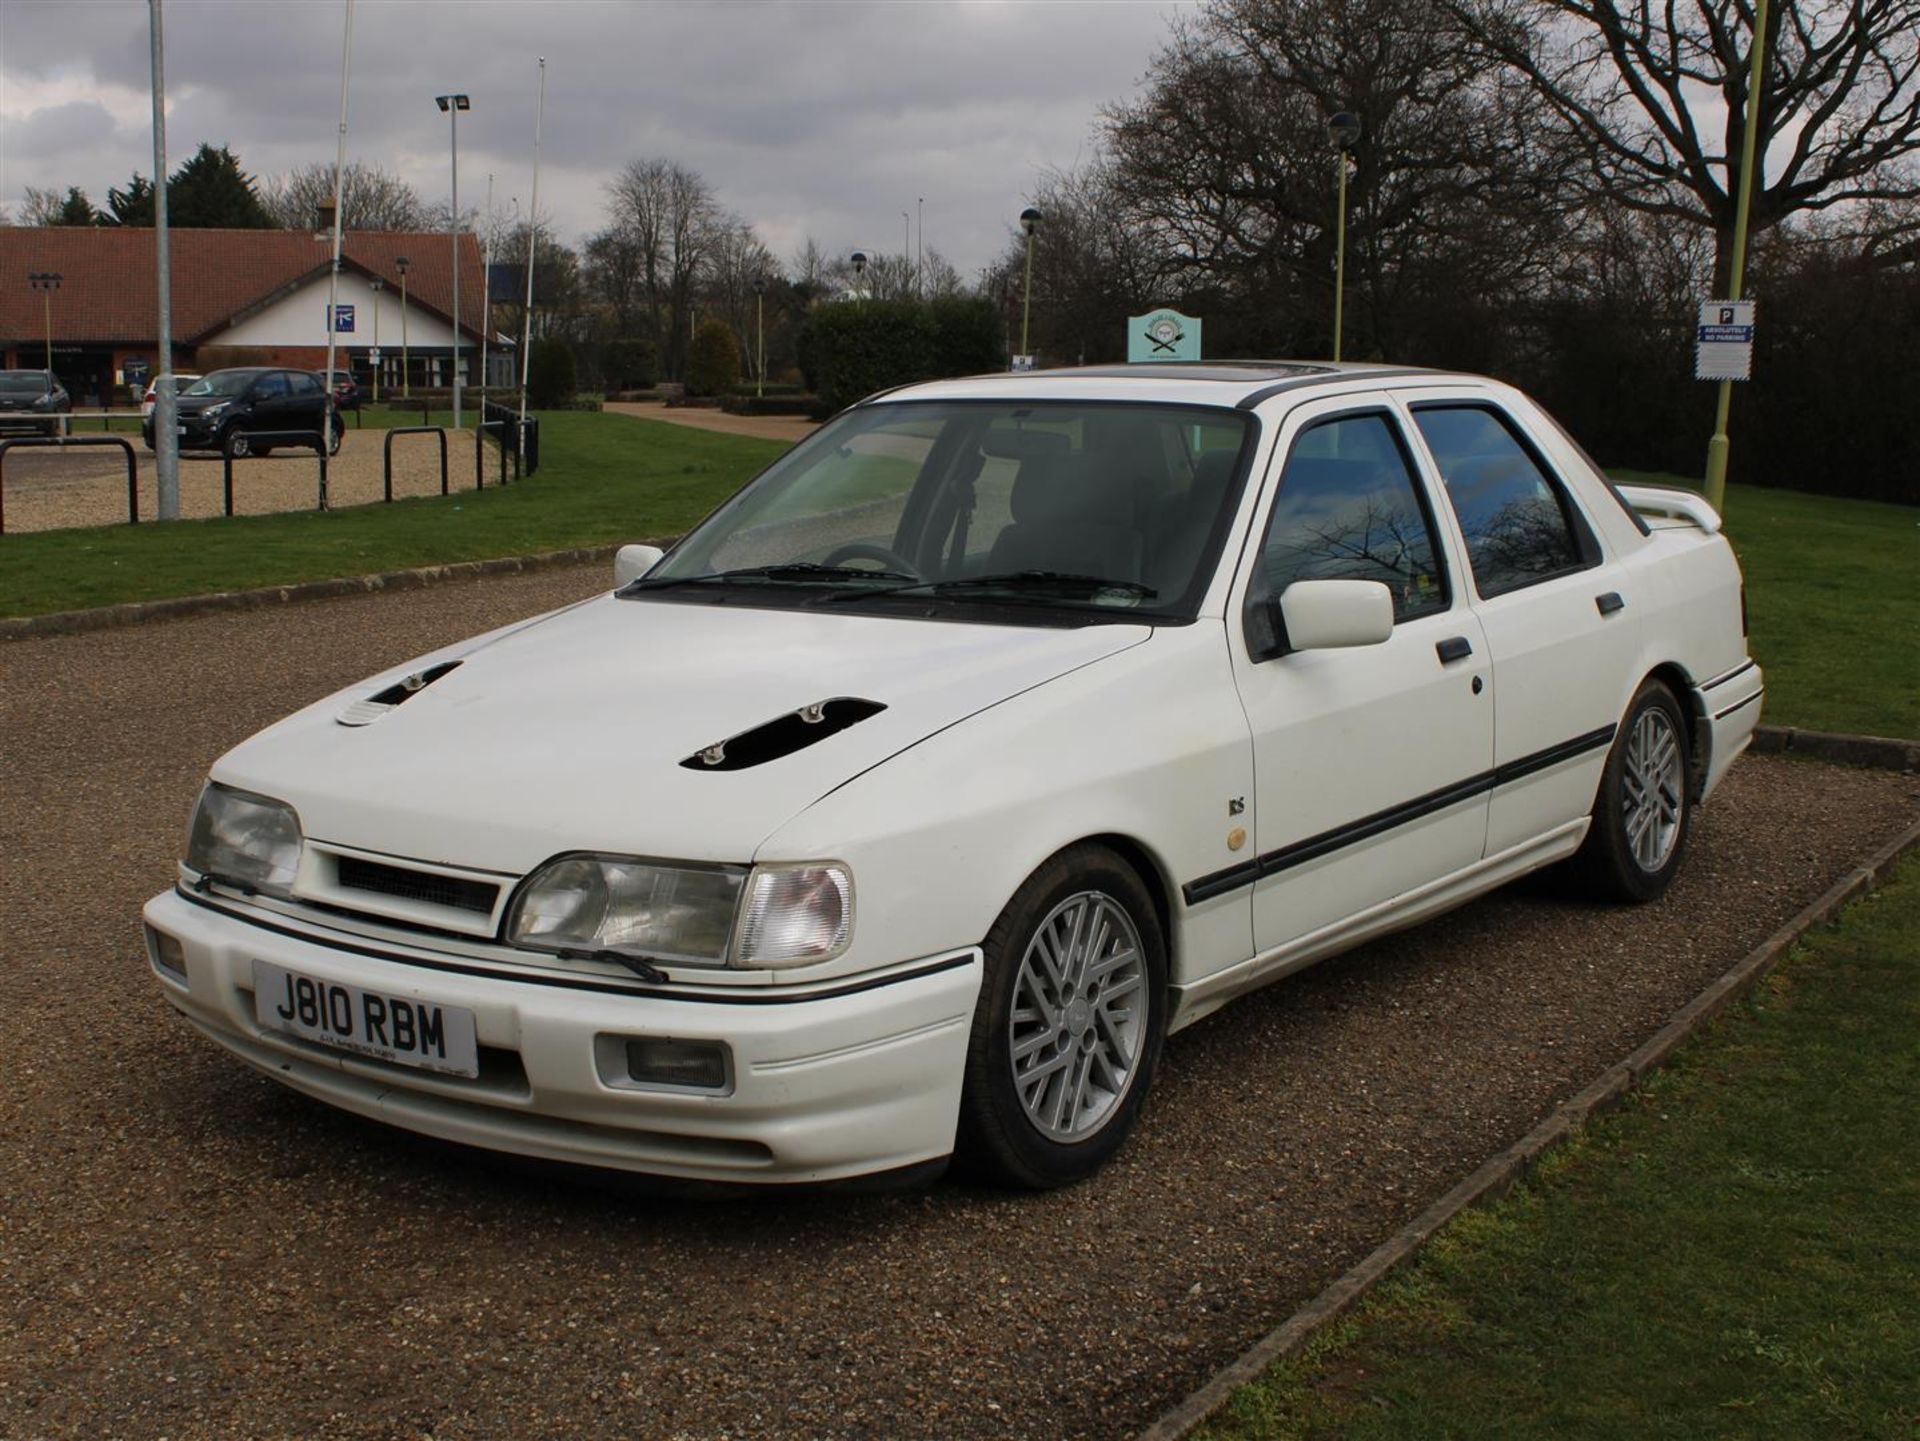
(862, 550)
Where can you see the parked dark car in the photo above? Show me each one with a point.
(33, 400)
(346, 390)
(228, 408)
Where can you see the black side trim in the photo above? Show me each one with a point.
(1740, 705)
(1554, 755)
(651, 993)
(1218, 883)
(1733, 674)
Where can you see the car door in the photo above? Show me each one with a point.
(1561, 623)
(1369, 762)
(269, 402)
(307, 402)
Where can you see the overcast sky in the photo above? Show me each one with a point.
(825, 119)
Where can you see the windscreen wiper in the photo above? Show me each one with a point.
(805, 571)
(1049, 583)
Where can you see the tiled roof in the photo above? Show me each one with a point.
(108, 289)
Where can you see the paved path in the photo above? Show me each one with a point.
(187, 1249)
(789, 428)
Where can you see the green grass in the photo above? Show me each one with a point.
(602, 478)
(1735, 1254)
(1829, 605)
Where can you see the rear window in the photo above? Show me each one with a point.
(24, 382)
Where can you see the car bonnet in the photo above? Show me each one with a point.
(586, 731)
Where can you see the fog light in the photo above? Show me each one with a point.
(167, 954)
(660, 1061)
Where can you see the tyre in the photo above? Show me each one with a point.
(238, 445)
(1069, 1026)
(1644, 811)
(333, 440)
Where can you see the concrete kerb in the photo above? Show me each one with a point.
(142, 612)
(1498, 1175)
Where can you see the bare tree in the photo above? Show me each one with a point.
(664, 222)
(1655, 99)
(371, 198)
(1224, 168)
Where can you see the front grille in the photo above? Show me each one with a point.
(356, 874)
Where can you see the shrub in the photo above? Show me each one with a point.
(851, 349)
(631, 363)
(713, 364)
(550, 375)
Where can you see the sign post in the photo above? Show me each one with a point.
(1162, 335)
(1723, 344)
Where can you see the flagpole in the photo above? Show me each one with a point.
(333, 274)
(533, 236)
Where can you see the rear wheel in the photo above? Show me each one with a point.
(1069, 1026)
(1643, 814)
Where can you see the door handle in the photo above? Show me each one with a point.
(1453, 648)
(1610, 602)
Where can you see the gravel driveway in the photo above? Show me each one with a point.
(51, 490)
(188, 1250)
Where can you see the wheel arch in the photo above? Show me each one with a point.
(1693, 708)
(1144, 864)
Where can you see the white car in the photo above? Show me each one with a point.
(997, 730)
(180, 381)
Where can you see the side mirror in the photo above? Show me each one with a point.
(1331, 614)
(634, 561)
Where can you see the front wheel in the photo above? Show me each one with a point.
(333, 440)
(238, 445)
(1069, 1026)
(1644, 812)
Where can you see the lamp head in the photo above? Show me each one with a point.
(1343, 129)
(452, 102)
(859, 260)
(402, 264)
(1030, 220)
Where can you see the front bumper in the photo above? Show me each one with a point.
(862, 1079)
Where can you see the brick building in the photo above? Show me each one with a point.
(240, 297)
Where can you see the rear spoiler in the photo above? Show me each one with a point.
(1669, 504)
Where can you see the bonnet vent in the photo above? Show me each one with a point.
(369, 709)
(792, 732)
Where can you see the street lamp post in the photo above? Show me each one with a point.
(759, 336)
(452, 105)
(46, 282)
(378, 287)
(403, 265)
(1342, 130)
(1029, 222)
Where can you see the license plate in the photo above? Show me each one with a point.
(403, 1029)
(181, 428)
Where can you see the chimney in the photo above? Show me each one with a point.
(323, 216)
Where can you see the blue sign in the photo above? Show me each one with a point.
(135, 370)
(1162, 335)
(343, 318)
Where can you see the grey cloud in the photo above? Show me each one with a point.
(816, 118)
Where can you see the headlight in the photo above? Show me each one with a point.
(795, 915)
(245, 839)
(213, 412)
(702, 915)
(592, 903)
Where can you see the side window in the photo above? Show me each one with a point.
(272, 386)
(1518, 526)
(305, 386)
(1349, 508)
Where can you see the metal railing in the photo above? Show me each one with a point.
(499, 429)
(63, 442)
(387, 459)
(309, 438)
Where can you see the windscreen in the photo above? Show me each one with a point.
(1104, 505)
